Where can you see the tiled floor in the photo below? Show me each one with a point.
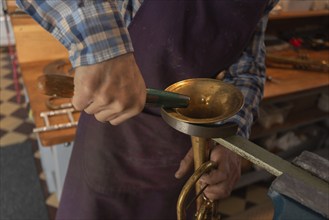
(16, 126)
(15, 123)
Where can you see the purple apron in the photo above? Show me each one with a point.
(127, 171)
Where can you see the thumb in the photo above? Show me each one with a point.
(220, 75)
(185, 164)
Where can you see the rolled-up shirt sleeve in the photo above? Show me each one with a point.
(248, 74)
(92, 30)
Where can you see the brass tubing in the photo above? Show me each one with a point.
(202, 211)
(206, 207)
(200, 153)
(205, 167)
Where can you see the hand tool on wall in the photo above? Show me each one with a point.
(278, 61)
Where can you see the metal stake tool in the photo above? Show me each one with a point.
(48, 127)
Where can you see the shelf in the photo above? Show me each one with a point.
(293, 121)
(298, 87)
(298, 14)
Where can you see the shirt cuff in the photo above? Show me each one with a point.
(97, 33)
(92, 31)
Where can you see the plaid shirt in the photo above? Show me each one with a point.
(96, 30)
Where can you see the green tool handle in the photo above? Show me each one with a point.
(63, 86)
(166, 99)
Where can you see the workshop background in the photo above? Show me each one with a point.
(292, 120)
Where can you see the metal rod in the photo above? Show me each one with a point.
(48, 127)
(200, 153)
(269, 161)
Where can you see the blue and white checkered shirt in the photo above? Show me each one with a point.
(96, 30)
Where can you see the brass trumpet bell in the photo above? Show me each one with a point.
(211, 101)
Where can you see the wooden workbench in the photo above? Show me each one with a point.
(35, 49)
(30, 73)
(301, 89)
(291, 81)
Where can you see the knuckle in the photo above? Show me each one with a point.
(121, 104)
(113, 122)
(225, 176)
(120, 107)
(182, 162)
(210, 195)
(103, 100)
(217, 192)
(87, 111)
(117, 121)
(140, 107)
(99, 118)
(226, 193)
(189, 156)
(77, 104)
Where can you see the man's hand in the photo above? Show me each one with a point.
(113, 90)
(221, 180)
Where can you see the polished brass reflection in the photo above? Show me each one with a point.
(211, 101)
